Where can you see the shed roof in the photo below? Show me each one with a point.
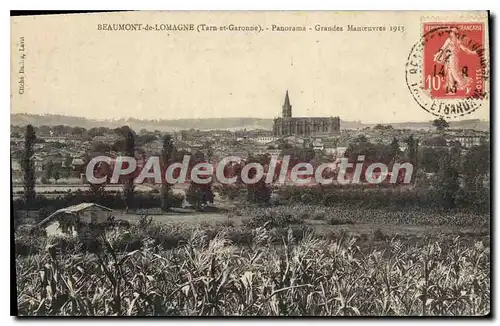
(71, 210)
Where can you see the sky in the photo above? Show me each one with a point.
(72, 68)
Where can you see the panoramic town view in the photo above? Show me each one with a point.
(325, 214)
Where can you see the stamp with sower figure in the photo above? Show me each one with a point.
(446, 71)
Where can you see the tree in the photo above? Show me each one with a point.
(93, 132)
(476, 162)
(167, 156)
(65, 173)
(199, 195)
(437, 141)
(394, 151)
(100, 147)
(118, 145)
(128, 185)
(429, 159)
(259, 192)
(49, 170)
(412, 153)
(447, 181)
(208, 150)
(56, 175)
(372, 152)
(97, 190)
(456, 157)
(298, 154)
(78, 131)
(28, 166)
(476, 174)
(412, 148)
(124, 131)
(383, 127)
(145, 138)
(360, 139)
(440, 124)
(67, 162)
(44, 130)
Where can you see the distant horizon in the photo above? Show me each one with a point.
(242, 117)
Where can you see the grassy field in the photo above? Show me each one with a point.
(357, 222)
(283, 260)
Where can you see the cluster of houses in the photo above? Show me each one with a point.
(66, 153)
(69, 152)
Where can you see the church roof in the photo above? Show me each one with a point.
(287, 99)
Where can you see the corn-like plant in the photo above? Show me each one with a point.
(208, 274)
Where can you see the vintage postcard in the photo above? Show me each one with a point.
(270, 163)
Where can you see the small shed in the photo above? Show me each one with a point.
(66, 220)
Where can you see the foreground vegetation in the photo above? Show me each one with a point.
(263, 267)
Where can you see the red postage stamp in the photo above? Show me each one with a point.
(452, 60)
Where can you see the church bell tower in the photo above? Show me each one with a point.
(286, 108)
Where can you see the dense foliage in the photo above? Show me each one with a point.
(208, 274)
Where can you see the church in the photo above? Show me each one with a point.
(304, 126)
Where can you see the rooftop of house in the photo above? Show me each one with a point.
(78, 161)
(72, 210)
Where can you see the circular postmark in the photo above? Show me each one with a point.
(447, 69)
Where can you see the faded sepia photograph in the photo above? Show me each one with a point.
(251, 163)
